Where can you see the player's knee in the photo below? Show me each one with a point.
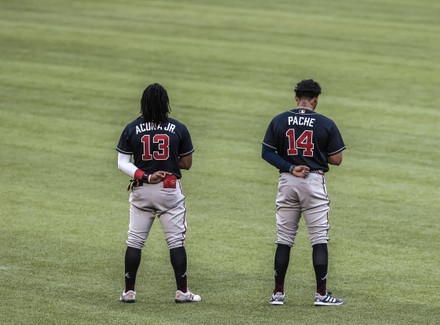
(285, 241)
(175, 244)
(319, 240)
(135, 242)
(175, 239)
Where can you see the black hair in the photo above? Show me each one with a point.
(307, 89)
(155, 104)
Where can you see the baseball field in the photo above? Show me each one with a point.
(71, 76)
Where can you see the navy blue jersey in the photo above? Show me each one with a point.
(156, 146)
(304, 137)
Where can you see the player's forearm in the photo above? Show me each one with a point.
(125, 165)
(273, 158)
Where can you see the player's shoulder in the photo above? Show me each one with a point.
(174, 121)
(324, 119)
(282, 115)
(177, 123)
(136, 121)
(132, 124)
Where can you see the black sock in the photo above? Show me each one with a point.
(132, 261)
(282, 257)
(320, 263)
(178, 261)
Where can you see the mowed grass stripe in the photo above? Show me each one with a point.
(72, 74)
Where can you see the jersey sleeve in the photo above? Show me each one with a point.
(272, 157)
(270, 138)
(124, 145)
(336, 143)
(186, 146)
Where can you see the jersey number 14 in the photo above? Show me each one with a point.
(304, 141)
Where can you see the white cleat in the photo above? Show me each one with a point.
(187, 297)
(129, 296)
(327, 300)
(277, 299)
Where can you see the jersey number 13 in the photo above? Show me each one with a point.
(163, 149)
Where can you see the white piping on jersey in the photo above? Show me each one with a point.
(268, 145)
(186, 153)
(124, 152)
(335, 152)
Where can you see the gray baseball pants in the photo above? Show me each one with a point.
(167, 204)
(302, 196)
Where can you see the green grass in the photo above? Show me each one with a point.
(72, 73)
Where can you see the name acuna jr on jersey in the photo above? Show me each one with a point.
(151, 126)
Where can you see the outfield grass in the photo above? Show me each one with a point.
(72, 73)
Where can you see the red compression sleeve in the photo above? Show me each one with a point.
(138, 174)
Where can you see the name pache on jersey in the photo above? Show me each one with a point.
(150, 126)
(302, 120)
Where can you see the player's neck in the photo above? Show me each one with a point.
(306, 107)
(307, 103)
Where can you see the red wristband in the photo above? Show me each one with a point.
(138, 174)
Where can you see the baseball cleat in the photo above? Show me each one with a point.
(277, 299)
(129, 296)
(327, 300)
(186, 297)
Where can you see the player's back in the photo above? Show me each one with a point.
(156, 146)
(303, 137)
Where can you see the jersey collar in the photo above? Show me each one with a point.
(303, 110)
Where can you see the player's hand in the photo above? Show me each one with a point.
(158, 176)
(300, 171)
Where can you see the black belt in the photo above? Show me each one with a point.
(320, 172)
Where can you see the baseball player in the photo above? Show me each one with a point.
(301, 143)
(152, 150)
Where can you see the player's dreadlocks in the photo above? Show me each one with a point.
(155, 104)
(307, 89)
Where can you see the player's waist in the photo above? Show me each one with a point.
(318, 171)
(168, 182)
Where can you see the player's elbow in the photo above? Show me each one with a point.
(185, 162)
(266, 152)
(335, 159)
(120, 166)
(267, 157)
(186, 167)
